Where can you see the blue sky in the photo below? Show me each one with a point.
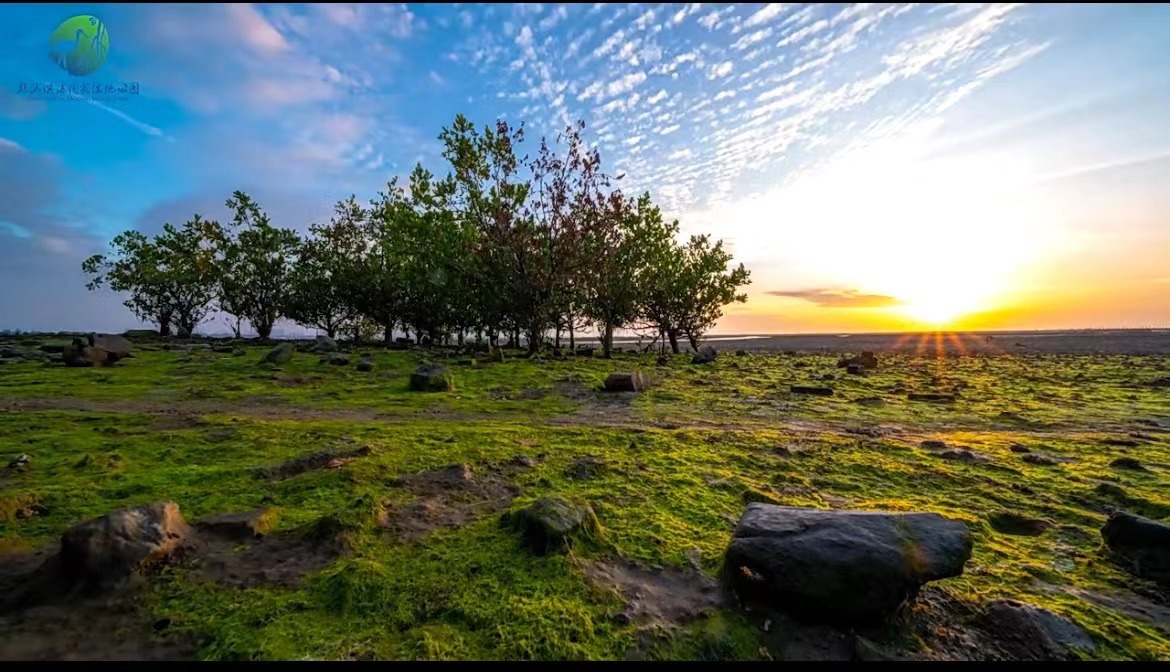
(1002, 161)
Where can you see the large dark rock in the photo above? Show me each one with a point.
(866, 360)
(335, 358)
(281, 354)
(430, 378)
(1028, 632)
(625, 382)
(80, 354)
(705, 355)
(365, 363)
(1143, 544)
(551, 523)
(812, 389)
(323, 344)
(841, 567)
(105, 550)
(119, 345)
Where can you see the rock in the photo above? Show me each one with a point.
(625, 382)
(1018, 448)
(20, 463)
(1123, 443)
(1016, 524)
(111, 343)
(931, 396)
(53, 348)
(105, 550)
(430, 378)
(551, 523)
(1127, 463)
(933, 444)
(841, 567)
(223, 349)
(336, 359)
(584, 468)
(584, 352)
(239, 526)
(323, 345)
(1143, 543)
(963, 455)
(365, 363)
(281, 354)
(870, 401)
(1031, 633)
(1110, 491)
(662, 360)
(808, 389)
(79, 354)
(856, 370)
(1160, 382)
(741, 353)
(1040, 460)
(705, 355)
(866, 360)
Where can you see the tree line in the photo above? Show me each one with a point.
(507, 247)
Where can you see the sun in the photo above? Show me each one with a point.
(934, 314)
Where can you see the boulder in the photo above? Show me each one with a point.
(365, 363)
(323, 344)
(223, 349)
(856, 370)
(112, 343)
(79, 354)
(1009, 522)
(585, 468)
(430, 378)
(1127, 463)
(105, 550)
(1028, 632)
(866, 360)
(1143, 544)
(705, 355)
(810, 389)
(336, 359)
(281, 354)
(625, 382)
(662, 360)
(584, 352)
(741, 353)
(551, 523)
(841, 567)
(938, 397)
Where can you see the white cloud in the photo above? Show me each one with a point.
(720, 70)
(624, 84)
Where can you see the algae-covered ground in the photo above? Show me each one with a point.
(434, 575)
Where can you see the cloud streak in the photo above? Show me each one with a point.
(839, 298)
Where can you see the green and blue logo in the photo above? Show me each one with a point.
(79, 45)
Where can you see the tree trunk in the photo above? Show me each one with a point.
(572, 336)
(388, 332)
(557, 342)
(607, 341)
(672, 334)
(331, 331)
(263, 330)
(164, 323)
(694, 341)
(534, 338)
(459, 338)
(184, 331)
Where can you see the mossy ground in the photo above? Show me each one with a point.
(682, 459)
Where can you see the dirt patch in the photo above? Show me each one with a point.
(178, 420)
(325, 459)
(280, 559)
(668, 597)
(448, 498)
(1154, 611)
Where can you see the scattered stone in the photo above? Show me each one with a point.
(430, 378)
(584, 468)
(1040, 460)
(1031, 633)
(79, 355)
(856, 370)
(625, 382)
(843, 567)
(694, 557)
(937, 397)
(551, 523)
(584, 352)
(1019, 448)
(281, 354)
(1143, 543)
(365, 363)
(1127, 463)
(20, 463)
(866, 360)
(239, 526)
(336, 359)
(103, 551)
(223, 349)
(705, 355)
(1111, 491)
(662, 360)
(1124, 443)
(1008, 522)
(809, 389)
(111, 343)
(323, 345)
(933, 444)
(741, 353)
(963, 455)
(1160, 382)
(523, 461)
(870, 401)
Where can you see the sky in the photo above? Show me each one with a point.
(877, 167)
